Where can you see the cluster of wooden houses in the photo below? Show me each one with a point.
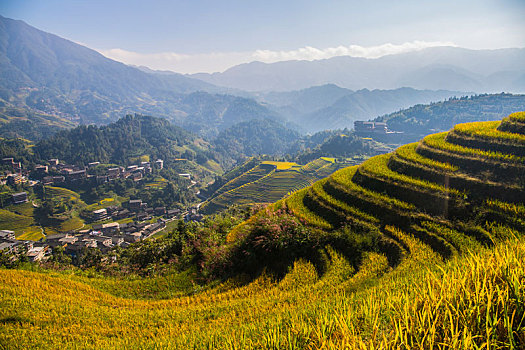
(35, 251)
(136, 208)
(16, 175)
(103, 237)
(73, 173)
(9, 161)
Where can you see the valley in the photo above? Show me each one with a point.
(268, 182)
(262, 176)
(427, 216)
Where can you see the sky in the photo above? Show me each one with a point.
(189, 36)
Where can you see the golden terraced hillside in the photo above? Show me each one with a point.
(420, 248)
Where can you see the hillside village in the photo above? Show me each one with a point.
(63, 172)
(262, 175)
(109, 227)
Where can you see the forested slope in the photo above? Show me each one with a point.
(420, 248)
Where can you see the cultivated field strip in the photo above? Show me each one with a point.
(424, 188)
(448, 279)
(408, 162)
(514, 123)
(257, 187)
(251, 175)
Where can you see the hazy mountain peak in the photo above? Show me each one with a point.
(464, 69)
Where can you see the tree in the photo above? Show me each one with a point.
(59, 256)
(91, 257)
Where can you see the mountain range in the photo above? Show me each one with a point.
(48, 83)
(46, 74)
(331, 107)
(437, 68)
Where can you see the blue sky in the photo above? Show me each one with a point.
(190, 36)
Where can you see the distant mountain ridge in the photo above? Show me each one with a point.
(303, 101)
(365, 104)
(48, 83)
(437, 68)
(42, 73)
(421, 119)
(33, 58)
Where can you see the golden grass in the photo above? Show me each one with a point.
(344, 177)
(281, 165)
(378, 167)
(408, 152)
(23, 226)
(72, 224)
(471, 301)
(438, 141)
(30, 233)
(475, 300)
(517, 210)
(64, 193)
(317, 190)
(518, 116)
(488, 131)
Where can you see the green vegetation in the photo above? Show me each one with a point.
(59, 210)
(123, 142)
(440, 116)
(29, 124)
(517, 117)
(237, 171)
(269, 182)
(378, 167)
(19, 147)
(335, 144)
(255, 137)
(344, 177)
(49, 210)
(513, 123)
(488, 130)
(408, 152)
(295, 205)
(438, 141)
(251, 175)
(361, 259)
(12, 221)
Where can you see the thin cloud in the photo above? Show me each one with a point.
(213, 62)
(311, 53)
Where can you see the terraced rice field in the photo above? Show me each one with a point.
(281, 165)
(268, 182)
(255, 173)
(423, 193)
(447, 271)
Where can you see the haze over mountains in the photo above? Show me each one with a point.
(48, 83)
(45, 73)
(331, 107)
(448, 68)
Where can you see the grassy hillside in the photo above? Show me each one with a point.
(416, 305)
(29, 224)
(441, 116)
(19, 122)
(417, 249)
(268, 182)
